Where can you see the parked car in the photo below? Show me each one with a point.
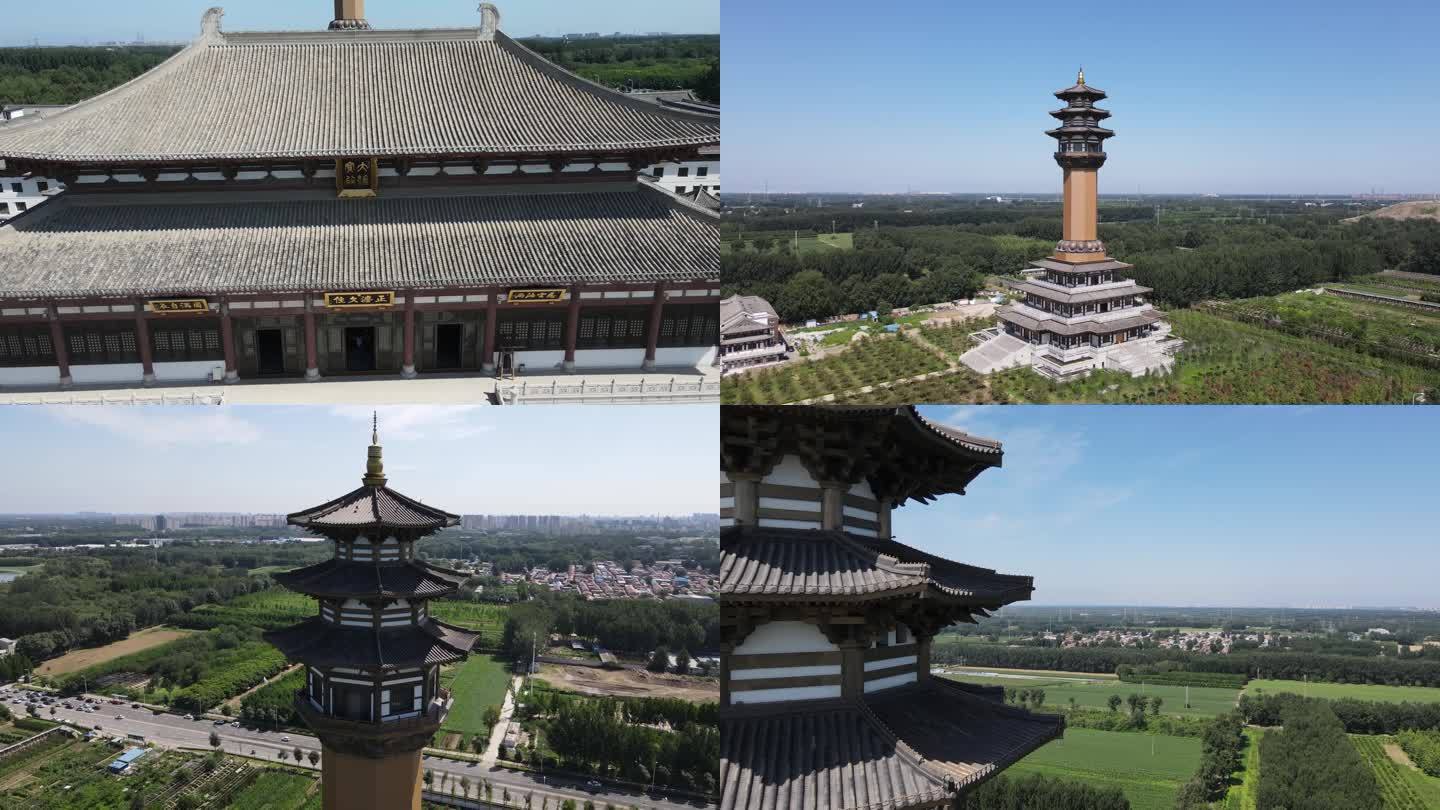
(285, 738)
(219, 722)
(132, 705)
(189, 717)
(593, 784)
(119, 717)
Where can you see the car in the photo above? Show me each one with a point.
(189, 717)
(593, 784)
(119, 717)
(219, 722)
(97, 726)
(235, 724)
(132, 705)
(285, 738)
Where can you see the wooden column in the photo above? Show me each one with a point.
(572, 328)
(883, 518)
(922, 658)
(227, 342)
(726, 650)
(832, 505)
(747, 498)
(62, 352)
(852, 670)
(487, 346)
(142, 340)
(652, 333)
(312, 365)
(408, 370)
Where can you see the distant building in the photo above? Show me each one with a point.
(697, 177)
(122, 763)
(7, 646)
(750, 334)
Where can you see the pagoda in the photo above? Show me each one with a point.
(353, 200)
(1078, 311)
(373, 654)
(826, 694)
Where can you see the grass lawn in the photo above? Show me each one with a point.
(1036, 673)
(1403, 787)
(20, 570)
(1119, 759)
(1359, 691)
(479, 682)
(269, 569)
(277, 790)
(1204, 701)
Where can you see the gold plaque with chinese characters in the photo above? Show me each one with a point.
(357, 177)
(536, 296)
(179, 305)
(353, 300)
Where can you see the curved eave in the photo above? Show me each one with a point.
(1070, 112)
(317, 643)
(314, 518)
(1059, 131)
(328, 580)
(1080, 91)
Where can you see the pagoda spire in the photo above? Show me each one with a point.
(1080, 79)
(374, 464)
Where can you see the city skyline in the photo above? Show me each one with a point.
(269, 460)
(82, 22)
(1183, 506)
(1216, 98)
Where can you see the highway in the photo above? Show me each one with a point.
(174, 731)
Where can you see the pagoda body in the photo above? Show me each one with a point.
(827, 700)
(1079, 312)
(356, 201)
(373, 654)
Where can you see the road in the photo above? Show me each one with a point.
(174, 731)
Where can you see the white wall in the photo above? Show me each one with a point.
(685, 356)
(792, 693)
(727, 501)
(785, 637)
(628, 359)
(107, 373)
(188, 370)
(892, 681)
(540, 362)
(30, 375)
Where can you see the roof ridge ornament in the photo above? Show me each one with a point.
(210, 23)
(489, 21)
(374, 464)
(1080, 80)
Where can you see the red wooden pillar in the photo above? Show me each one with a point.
(652, 336)
(62, 352)
(487, 346)
(227, 343)
(142, 340)
(312, 364)
(572, 328)
(408, 370)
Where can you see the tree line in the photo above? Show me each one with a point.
(621, 625)
(1358, 716)
(1310, 763)
(68, 75)
(1036, 791)
(1256, 664)
(1221, 745)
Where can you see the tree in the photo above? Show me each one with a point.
(1155, 704)
(465, 786)
(227, 710)
(283, 755)
(1113, 702)
(1037, 697)
(428, 778)
(214, 739)
(314, 757)
(659, 660)
(299, 755)
(682, 662)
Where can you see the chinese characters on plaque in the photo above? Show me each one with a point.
(536, 296)
(345, 300)
(357, 177)
(179, 305)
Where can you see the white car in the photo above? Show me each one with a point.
(285, 739)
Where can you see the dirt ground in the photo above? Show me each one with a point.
(1398, 755)
(79, 659)
(629, 683)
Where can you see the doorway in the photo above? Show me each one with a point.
(506, 365)
(270, 346)
(359, 348)
(449, 339)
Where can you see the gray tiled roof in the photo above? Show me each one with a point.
(1077, 295)
(118, 245)
(341, 578)
(319, 643)
(370, 506)
(330, 94)
(1081, 267)
(906, 747)
(738, 307)
(774, 562)
(1057, 325)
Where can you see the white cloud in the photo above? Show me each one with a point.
(420, 421)
(163, 425)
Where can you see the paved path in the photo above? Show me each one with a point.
(497, 734)
(174, 731)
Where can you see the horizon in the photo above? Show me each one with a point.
(88, 23)
(463, 459)
(1210, 98)
(1213, 506)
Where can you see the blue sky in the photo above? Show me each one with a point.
(1221, 96)
(561, 460)
(81, 21)
(1251, 506)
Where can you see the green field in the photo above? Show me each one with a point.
(1241, 796)
(478, 683)
(1402, 787)
(269, 569)
(486, 618)
(790, 242)
(1358, 691)
(20, 570)
(1204, 701)
(277, 790)
(871, 361)
(1034, 673)
(1119, 759)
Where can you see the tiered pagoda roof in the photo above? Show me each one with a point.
(319, 643)
(458, 92)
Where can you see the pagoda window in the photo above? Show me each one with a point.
(100, 342)
(26, 346)
(684, 171)
(22, 206)
(902, 634)
(352, 702)
(689, 325)
(181, 341)
(658, 171)
(612, 329)
(522, 330)
(703, 171)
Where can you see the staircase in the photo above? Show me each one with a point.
(1000, 352)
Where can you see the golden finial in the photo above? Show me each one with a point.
(1080, 80)
(374, 465)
